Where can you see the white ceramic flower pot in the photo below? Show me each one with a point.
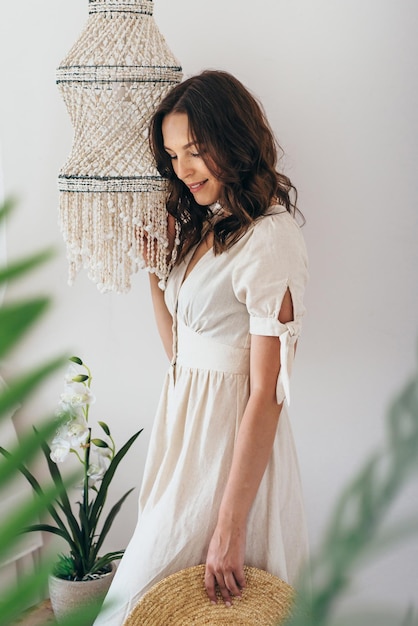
(68, 595)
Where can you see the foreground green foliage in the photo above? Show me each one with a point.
(359, 515)
(15, 320)
(99, 461)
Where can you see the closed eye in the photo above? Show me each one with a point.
(172, 157)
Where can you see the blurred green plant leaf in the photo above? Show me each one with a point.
(21, 268)
(13, 526)
(14, 597)
(355, 527)
(6, 207)
(18, 596)
(16, 318)
(17, 392)
(25, 450)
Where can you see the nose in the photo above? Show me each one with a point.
(182, 167)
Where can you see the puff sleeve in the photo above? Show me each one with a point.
(273, 261)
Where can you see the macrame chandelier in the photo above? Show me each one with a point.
(111, 194)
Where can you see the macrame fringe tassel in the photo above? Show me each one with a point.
(106, 234)
(111, 194)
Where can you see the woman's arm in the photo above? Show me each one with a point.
(162, 316)
(225, 559)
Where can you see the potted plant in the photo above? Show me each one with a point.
(83, 572)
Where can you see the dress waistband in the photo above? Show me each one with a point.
(200, 352)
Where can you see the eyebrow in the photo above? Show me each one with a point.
(191, 143)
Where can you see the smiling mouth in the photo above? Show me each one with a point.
(196, 186)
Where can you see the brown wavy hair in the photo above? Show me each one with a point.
(238, 147)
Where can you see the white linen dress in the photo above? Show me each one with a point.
(225, 298)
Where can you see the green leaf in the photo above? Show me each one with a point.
(107, 479)
(33, 585)
(23, 386)
(13, 525)
(16, 318)
(80, 378)
(23, 469)
(85, 543)
(109, 520)
(40, 493)
(64, 567)
(54, 470)
(6, 208)
(63, 502)
(13, 598)
(106, 560)
(359, 515)
(83, 615)
(99, 443)
(54, 530)
(24, 451)
(385, 540)
(21, 268)
(105, 428)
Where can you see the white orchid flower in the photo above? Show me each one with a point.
(76, 395)
(67, 410)
(97, 468)
(77, 432)
(71, 435)
(60, 449)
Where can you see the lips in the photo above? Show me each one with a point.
(196, 186)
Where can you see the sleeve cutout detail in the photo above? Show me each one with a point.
(288, 334)
(287, 353)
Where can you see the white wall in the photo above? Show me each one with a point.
(338, 81)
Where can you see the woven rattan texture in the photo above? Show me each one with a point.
(112, 196)
(181, 600)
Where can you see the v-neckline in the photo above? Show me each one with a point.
(186, 274)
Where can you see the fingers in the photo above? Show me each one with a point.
(225, 593)
(239, 578)
(210, 586)
(229, 584)
(232, 584)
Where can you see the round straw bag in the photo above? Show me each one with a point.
(181, 599)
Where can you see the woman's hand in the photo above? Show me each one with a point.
(225, 562)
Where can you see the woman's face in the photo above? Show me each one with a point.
(187, 161)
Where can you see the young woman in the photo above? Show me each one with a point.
(221, 483)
